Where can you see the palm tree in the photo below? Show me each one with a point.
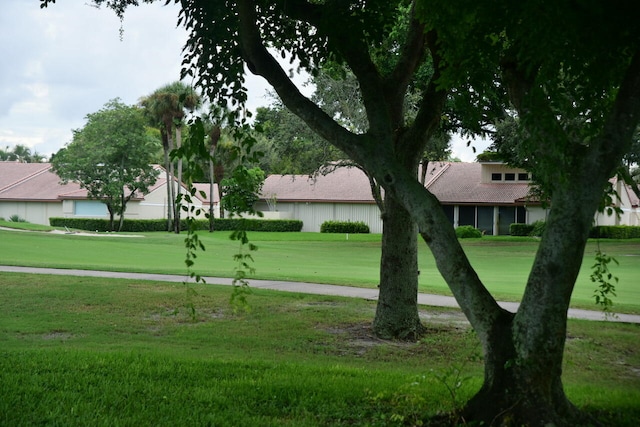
(156, 109)
(166, 109)
(20, 153)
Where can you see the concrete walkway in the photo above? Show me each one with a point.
(305, 288)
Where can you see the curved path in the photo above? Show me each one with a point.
(305, 288)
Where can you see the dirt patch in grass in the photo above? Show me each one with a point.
(446, 331)
(58, 336)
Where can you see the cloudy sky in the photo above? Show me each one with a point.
(61, 63)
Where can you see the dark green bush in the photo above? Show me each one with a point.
(538, 228)
(615, 232)
(16, 218)
(344, 227)
(280, 225)
(468, 232)
(146, 225)
(520, 229)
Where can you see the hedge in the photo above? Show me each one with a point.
(344, 227)
(468, 232)
(146, 225)
(615, 232)
(597, 232)
(520, 229)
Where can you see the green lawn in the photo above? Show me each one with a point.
(502, 263)
(88, 351)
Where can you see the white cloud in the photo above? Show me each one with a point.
(466, 149)
(66, 61)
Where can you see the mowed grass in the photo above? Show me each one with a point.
(89, 351)
(503, 263)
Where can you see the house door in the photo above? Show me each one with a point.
(506, 217)
(485, 219)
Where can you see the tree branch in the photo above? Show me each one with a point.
(431, 105)
(624, 117)
(413, 51)
(262, 63)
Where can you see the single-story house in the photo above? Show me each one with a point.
(34, 193)
(489, 196)
(342, 195)
(628, 203)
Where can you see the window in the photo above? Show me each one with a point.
(523, 177)
(496, 177)
(521, 215)
(90, 208)
(509, 176)
(467, 215)
(485, 219)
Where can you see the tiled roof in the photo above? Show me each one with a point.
(37, 182)
(344, 184)
(204, 186)
(32, 182)
(450, 182)
(462, 183)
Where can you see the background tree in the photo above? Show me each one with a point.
(241, 190)
(110, 157)
(289, 145)
(165, 109)
(337, 93)
(20, 153)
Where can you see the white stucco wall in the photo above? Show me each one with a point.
(33, 212)
(313, 215)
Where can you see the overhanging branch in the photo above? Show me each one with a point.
(262, 63)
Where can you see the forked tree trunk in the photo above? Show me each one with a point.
(397, 310)
(524, 352)
(521, 389)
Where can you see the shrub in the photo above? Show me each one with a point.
(468, 232)
(538, 228)
(276, 225)
(344, 227)
(146, 225)
(16, 218)
(520, 229)
(615, 232)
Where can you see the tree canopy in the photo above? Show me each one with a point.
(110, 157)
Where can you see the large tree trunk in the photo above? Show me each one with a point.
(397, 311)
(523, 367)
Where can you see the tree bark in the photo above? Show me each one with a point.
(397, 310)
(523, 370)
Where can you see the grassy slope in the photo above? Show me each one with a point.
(87, 351)
(502, 263)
